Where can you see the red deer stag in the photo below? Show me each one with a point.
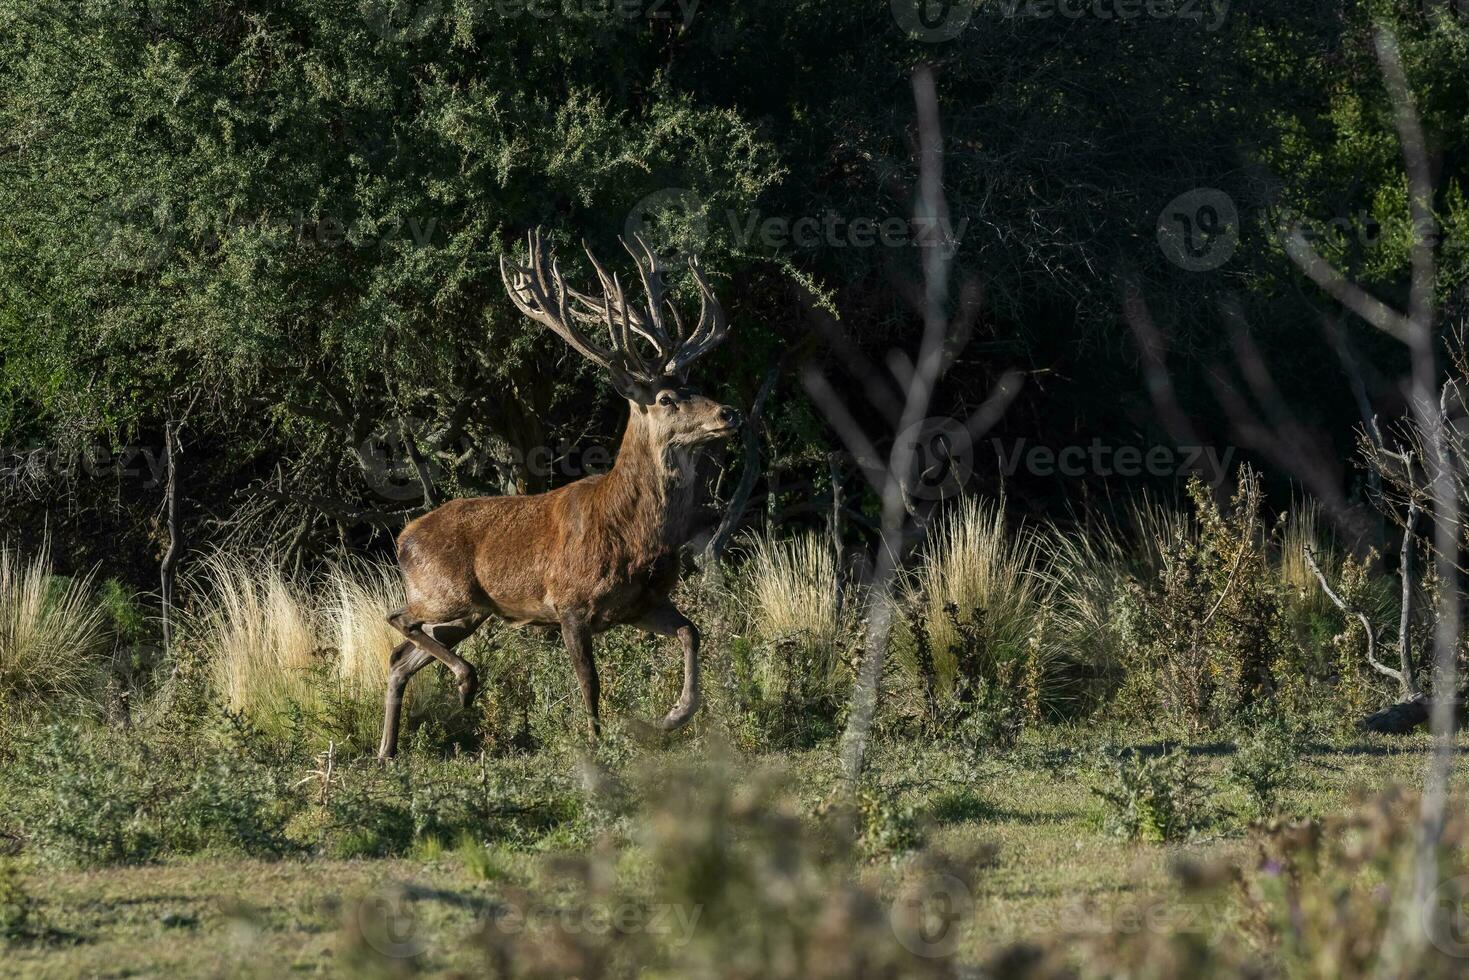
(600, 552)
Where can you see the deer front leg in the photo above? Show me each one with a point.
(665, 620)
(577, 636)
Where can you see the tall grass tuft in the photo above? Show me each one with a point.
(259, 635)
(51, 629)
(278, 651)
(1154, 527)
(359, 596)
(1089, 573)
(1302, 590)
(792, 596)
(993, 577)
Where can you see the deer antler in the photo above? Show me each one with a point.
(539, 291)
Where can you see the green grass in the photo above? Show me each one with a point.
(1026, 823)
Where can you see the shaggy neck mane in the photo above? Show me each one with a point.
(648, 497)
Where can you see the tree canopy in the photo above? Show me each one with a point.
(279, 222)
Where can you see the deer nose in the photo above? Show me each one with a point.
(729, 416)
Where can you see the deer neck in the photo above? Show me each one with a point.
(652, 488)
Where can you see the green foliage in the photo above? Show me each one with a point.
(888, 828)
(1150, 797)
(1208, 635)
(376, 812)
(1263, 764)
(989, 701)
(17, 905)
(126, 617)
(286, 216)
(1322, 894)
(779, 693)
(740, 883)
(83, 796)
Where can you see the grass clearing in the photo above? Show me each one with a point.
(1043, 866)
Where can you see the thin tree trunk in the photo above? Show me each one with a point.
(1405, 615)
(167, 569)
(838, 529)
(714, 550)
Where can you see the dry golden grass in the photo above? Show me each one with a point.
(790, 592)
(52, 630)
(277, 649)
(359, 596)
(1302, 528)
(259, 634)
(987, 570)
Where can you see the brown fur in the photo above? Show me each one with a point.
(600, 552)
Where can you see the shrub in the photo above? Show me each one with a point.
(17, 906)
(1151, 798)
(741, 885)
(83, 796)
(1262, 765)
(52, 632)
(1328, 895)
(989, 700)
(1206, 637)
(889, 828)
(381, 812)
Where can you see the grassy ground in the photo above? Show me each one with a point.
(1027, 818)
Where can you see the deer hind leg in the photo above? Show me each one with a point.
(666, 620)
(578, 639)
(437, 640)
(405, 661)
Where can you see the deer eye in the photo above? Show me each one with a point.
(666, 401)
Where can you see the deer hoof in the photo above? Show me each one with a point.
(679, 717)
(468, 688)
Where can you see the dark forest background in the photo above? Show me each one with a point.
(274, 226)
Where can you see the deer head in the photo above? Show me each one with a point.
(655, 382)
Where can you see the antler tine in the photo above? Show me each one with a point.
(542, 294)
(618, 313)
(711, 330)
(652, 278)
